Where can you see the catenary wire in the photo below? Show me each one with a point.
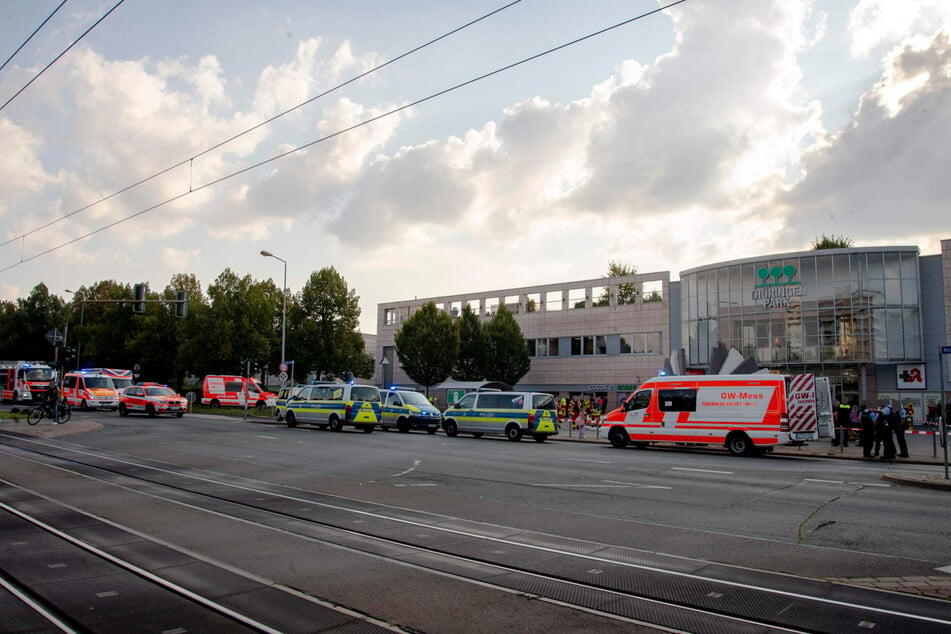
(344, 131)
(257, 126)
(35, 31)
(66, 50)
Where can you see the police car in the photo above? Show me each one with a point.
(152, 400)
(513, 414)
(406, 409)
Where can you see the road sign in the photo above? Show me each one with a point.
(454, 396)
(283, 367)
(945, 349)
(54, 336)
(282, 376)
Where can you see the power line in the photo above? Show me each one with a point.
(345, 130)
(35, 31)
(66, 50)
(259, 125)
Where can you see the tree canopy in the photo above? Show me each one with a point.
(832, 242)
(473, 347)
(508, 359)
(427, 345)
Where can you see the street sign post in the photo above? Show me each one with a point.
(54, 336)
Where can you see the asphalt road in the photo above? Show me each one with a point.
(656, 512)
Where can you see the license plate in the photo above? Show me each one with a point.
(802, 435)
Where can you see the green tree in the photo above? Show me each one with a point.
(323, 335)
(626, 293)
(102, 324)
(508, 358)
(29, 321)
(832, 242)
(427, 345)
(473, 347)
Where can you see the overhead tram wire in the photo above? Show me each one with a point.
(345, 130)
(66, 50)
(35, 31)
(259, 125)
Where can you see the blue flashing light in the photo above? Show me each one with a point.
(662, 373)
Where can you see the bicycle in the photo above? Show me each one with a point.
(45, 410)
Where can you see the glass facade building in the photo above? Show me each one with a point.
(839, 313)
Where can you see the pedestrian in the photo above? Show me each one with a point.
(843, 413)
(904, 423)
(867, 434)
(580, 421)
(884, 432)
(947, 412)
(855, 426)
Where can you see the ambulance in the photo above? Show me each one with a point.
(89, 389)
(121, 379)
(25, 381)
(747, 414)
(235, 391)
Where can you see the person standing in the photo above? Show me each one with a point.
(581, 421)
(843, 414)
(884, 432)
(868, 431)
(904, 423)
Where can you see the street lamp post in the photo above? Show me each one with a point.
(268, 254)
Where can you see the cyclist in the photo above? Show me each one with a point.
(52, 399)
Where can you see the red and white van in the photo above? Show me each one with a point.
(25, 381)
(744, 413)
(121, 379)
(88, 389)
(235, 391)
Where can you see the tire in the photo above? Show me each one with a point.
(260, 406)
(513, 432)
(179, 414)
(451, 429)
(123, 410)
(540, 437)
(215, 404)
(84, 406)
(384, 427)
(739, 444)
(335, 424)
(150, 410)
(402, 425)
(35, 415)
(63, 414)
(618, 438)
(290, 419)
(368, 429)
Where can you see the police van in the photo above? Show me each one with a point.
(408, 409)
(512, 414)
(334, 405)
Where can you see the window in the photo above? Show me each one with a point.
(576, 298)
(533, 302)
(553, 347)
(640, 400)
(626, 344)
(234, 386)
(466, 402)
(543, 401)
(600, 296)
(493, 401)
(677, 400)
(530, 343)
(553, 300)
(366, 393)
(512, 303)
(455, 309)
(404, 313)
(582, 346)
(653, 291)
(491, 306)
(600, 344)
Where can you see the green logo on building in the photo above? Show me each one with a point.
(777, 275)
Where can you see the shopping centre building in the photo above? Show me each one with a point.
(871, 319)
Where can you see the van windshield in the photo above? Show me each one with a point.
(414, 398)
(121, 383)
(38, 374)
(99, 382)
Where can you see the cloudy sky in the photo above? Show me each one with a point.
(714, 130)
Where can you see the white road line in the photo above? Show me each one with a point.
(597, 486)
(268, 437)
(701, 470)
(410, 470)
(824, 481)
(636, 484)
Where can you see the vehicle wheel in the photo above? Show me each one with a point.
(290, 419)
(402, 425)
(618, 438)
(84, 406)
(739, 444)
(260, 405)
(368, 429)
(477, 434)
(335, 424)
(451, 429)
(431, 430)
(540, 437)
(215, 404)
(384, 428)
(123, 410)
(150, 410)
(64, 413)
(35, 415)
(513, 432)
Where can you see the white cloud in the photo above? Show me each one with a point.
(877, 23)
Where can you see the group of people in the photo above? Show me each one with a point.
(579, 411)
(879, 429)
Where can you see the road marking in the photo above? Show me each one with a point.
(946, 569)
(422, 484)
(824, 481)
(267, 437)
(597, 486)
(636, 484)
(589, 461)
(701, 470)
(411, 469)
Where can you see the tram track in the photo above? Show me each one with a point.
(617, 583)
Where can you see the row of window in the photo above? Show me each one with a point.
(596, 345)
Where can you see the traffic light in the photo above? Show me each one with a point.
(139, 292)
(181, 304)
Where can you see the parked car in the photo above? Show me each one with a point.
(408, 409)
(152, 400)
(510, 413)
